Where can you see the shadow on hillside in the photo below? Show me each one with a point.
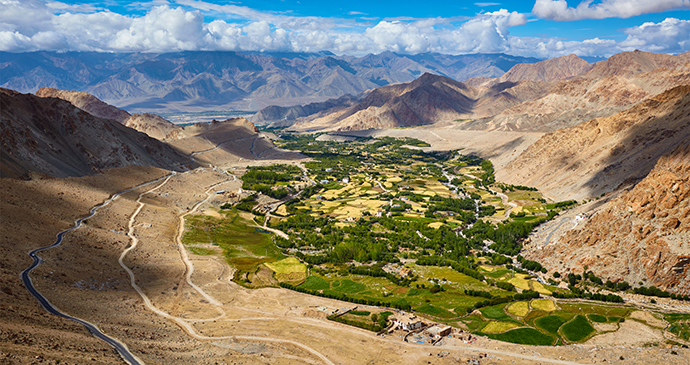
(635, 155)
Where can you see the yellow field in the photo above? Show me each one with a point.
(520, 282)
(346, 211)
(544, 305)
(497, 327)
(538, 287)
(487, 268)
(282, 210)
(517, 210)
(519, 309)
(394, 179)
(436, 225)
(288, 269)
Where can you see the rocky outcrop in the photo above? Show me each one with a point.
(610, 87)
(52, 136)
(555, 69)
(153, 125)
(598, 156)
(629, 64)
(641, 236)
(283, 116)
(86, 102)
(429, 99)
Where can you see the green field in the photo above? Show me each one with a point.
(435, 311)
(349, 286)
(550, 324)
(244, 247)
(201, 251)
(316, 283)
(496, 312)
(577, 329)
(524, 336)
(596, 318)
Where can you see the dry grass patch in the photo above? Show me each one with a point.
(519, 309)
(540, 288)
(436, 225)
(545, 305)
(282, 210)
(498, 327)
(520, 282)
(288, 269)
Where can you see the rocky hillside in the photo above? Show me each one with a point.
(429, 99)
(86, 102)
(610, 87)
(556, 69)
(600, 155)
(629, 64)
(198, 81)
(52, 136)
(151, 124)
(641, 236)
(284, 116)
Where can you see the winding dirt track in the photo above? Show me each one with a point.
(185, 323)
(120, 347)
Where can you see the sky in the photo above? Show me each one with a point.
(535, 28)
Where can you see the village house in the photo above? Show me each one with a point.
(437, 331)
(407, 321)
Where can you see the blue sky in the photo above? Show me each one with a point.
(537, 28)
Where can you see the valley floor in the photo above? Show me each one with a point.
(196, 313)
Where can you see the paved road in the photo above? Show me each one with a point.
(120, 347)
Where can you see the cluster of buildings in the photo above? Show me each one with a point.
(414, 325)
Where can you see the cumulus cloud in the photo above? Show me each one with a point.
(670, 35)
(52, 26)
(559, 9)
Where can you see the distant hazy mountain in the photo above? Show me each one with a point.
(198, 81)
(426, 100)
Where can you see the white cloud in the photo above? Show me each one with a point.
(168, 29)
(25, 16)
(671, 35)
(559, 9)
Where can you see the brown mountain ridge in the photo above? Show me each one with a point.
(52, 136)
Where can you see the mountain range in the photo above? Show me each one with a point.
(537, 97)
(198, 81)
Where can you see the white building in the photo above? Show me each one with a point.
(408, 321)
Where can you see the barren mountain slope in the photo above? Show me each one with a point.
(86, 102)
(54, 137)
(151, 124)
(643, 235)
(628, 64)
(282, 116)
(600, 155)
(429, 99)
(561, 68)
(610, 87)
